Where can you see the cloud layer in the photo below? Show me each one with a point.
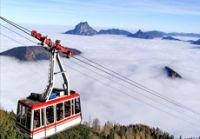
(140, 60)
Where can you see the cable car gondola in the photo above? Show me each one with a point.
(43, 115)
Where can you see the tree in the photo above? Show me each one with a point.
(107, 127)
(122, 130)
(129, 133)
(96, 125)
(7, 126)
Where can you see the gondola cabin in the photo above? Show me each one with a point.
(42, 119)
(54, 110)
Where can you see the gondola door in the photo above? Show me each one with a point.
(50, 120)
(43, 119)
(38, 124)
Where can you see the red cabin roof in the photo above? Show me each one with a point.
(36, 104)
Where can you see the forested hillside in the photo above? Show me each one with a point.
(88, 130)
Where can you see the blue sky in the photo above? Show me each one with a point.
(164, 15)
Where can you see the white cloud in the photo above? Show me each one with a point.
(140, 60)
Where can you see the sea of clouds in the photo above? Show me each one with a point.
(107, 99)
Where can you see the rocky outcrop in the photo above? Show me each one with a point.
(196, 42)
(171, 73)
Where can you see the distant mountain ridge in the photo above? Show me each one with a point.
(184, 34)
(83, 28)
(114, 31)
(31, 53)
(170, 38)
(140, 34)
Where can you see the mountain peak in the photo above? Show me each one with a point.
(83, 23)
(83, 28)
(140, 34)
(139, 31)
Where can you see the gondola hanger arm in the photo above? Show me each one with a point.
(52, 45)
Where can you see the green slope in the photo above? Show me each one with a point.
(87, 131)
